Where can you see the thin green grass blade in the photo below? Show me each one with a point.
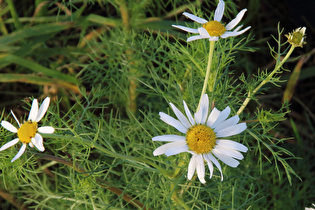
(9, 59)
(34, 31)
(14, 14)
(104, 21)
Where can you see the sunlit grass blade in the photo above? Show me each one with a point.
(38, 80)
(295, 76)
(289, 90)
(12, 59)
(103, 21)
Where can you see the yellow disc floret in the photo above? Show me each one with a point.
(27, 131)
(214, 28)
(200, 139)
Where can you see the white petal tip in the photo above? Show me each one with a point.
(46, 129)
(9, 126)
(156, 153)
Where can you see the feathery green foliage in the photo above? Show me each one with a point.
(110, 67)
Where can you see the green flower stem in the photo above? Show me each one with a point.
(110, 153)
(205, 84)
(277, 67)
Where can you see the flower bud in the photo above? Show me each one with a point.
(296, 38)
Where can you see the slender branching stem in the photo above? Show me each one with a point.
(277, 67)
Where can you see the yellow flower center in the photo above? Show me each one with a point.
(297, 38)
(214, 28)
(200, 139)
(27, 131)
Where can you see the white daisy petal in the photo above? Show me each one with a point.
(176, 150)
(31, 144)
(34, 111)
(228, 152)
(232, 145)
(192, 166)
(232, 130)
(169, 138)
(236, 20)
(191, 119)
(43, 109)
(164, 148)
(46, 129)
(190, 30)
(198, 116)
(227, 123)
(193, 38)
(15, 119)
(202, 113)
(213, 38)
(38, 142)
(234, 33)
(215, 161)
(21, 151)
(210, 165)
(173, 122)
(9, 126)
(213, 116)
(203, 32)
(204, 107)
(237, 28)
(223, 115)
(242, 31)
(218, 14)
(226, 159)
(228, 34)
(9, 144)
(180, 116)
(195, 18)
(200, 168)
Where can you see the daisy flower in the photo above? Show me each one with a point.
(205, 138)
(297, 37)
(28, 132)
(212, 30)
